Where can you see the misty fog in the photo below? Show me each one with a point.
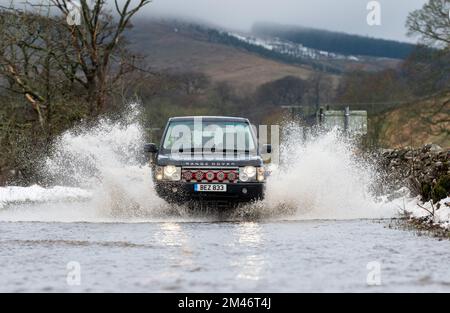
(344, 15)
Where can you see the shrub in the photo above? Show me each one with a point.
(442, 189)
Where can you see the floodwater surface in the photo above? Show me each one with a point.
(176, 256)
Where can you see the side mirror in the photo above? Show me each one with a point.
(150, 148)
(266, 149)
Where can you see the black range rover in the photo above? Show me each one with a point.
(208, 159)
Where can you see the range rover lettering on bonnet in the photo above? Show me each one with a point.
(210, 163)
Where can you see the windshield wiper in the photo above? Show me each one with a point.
(181, 150)
(236, 151)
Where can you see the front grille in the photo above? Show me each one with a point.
(202, 175)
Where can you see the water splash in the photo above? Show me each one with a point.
(106, 180)
(104, 161)
(325, 177)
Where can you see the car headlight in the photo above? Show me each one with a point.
(169, 172)
(247, 173)
(261, 174)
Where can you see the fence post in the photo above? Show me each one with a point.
(347, 119)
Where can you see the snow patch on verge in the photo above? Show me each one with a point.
(35, 193)
(438, 214)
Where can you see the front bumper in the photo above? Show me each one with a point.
(180, 192)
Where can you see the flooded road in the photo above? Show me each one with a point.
(179, 256)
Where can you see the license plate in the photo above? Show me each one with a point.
(210, 188)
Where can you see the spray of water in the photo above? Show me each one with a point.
(106, 180)
(105, 162)
(325, 177)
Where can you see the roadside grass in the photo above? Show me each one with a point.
(422, 226)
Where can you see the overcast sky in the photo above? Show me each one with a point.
(338, 15)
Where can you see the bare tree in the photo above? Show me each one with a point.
(28, 71)
(92, 55)
(286, 91)
(320, 90)
(431, 23)
(98, 41)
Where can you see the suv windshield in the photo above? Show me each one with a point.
(209, 136)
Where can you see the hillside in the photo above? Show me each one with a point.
(426, 121)
(297, 53)
(175, 48)
(241, 59)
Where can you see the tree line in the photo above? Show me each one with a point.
(336, 42)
